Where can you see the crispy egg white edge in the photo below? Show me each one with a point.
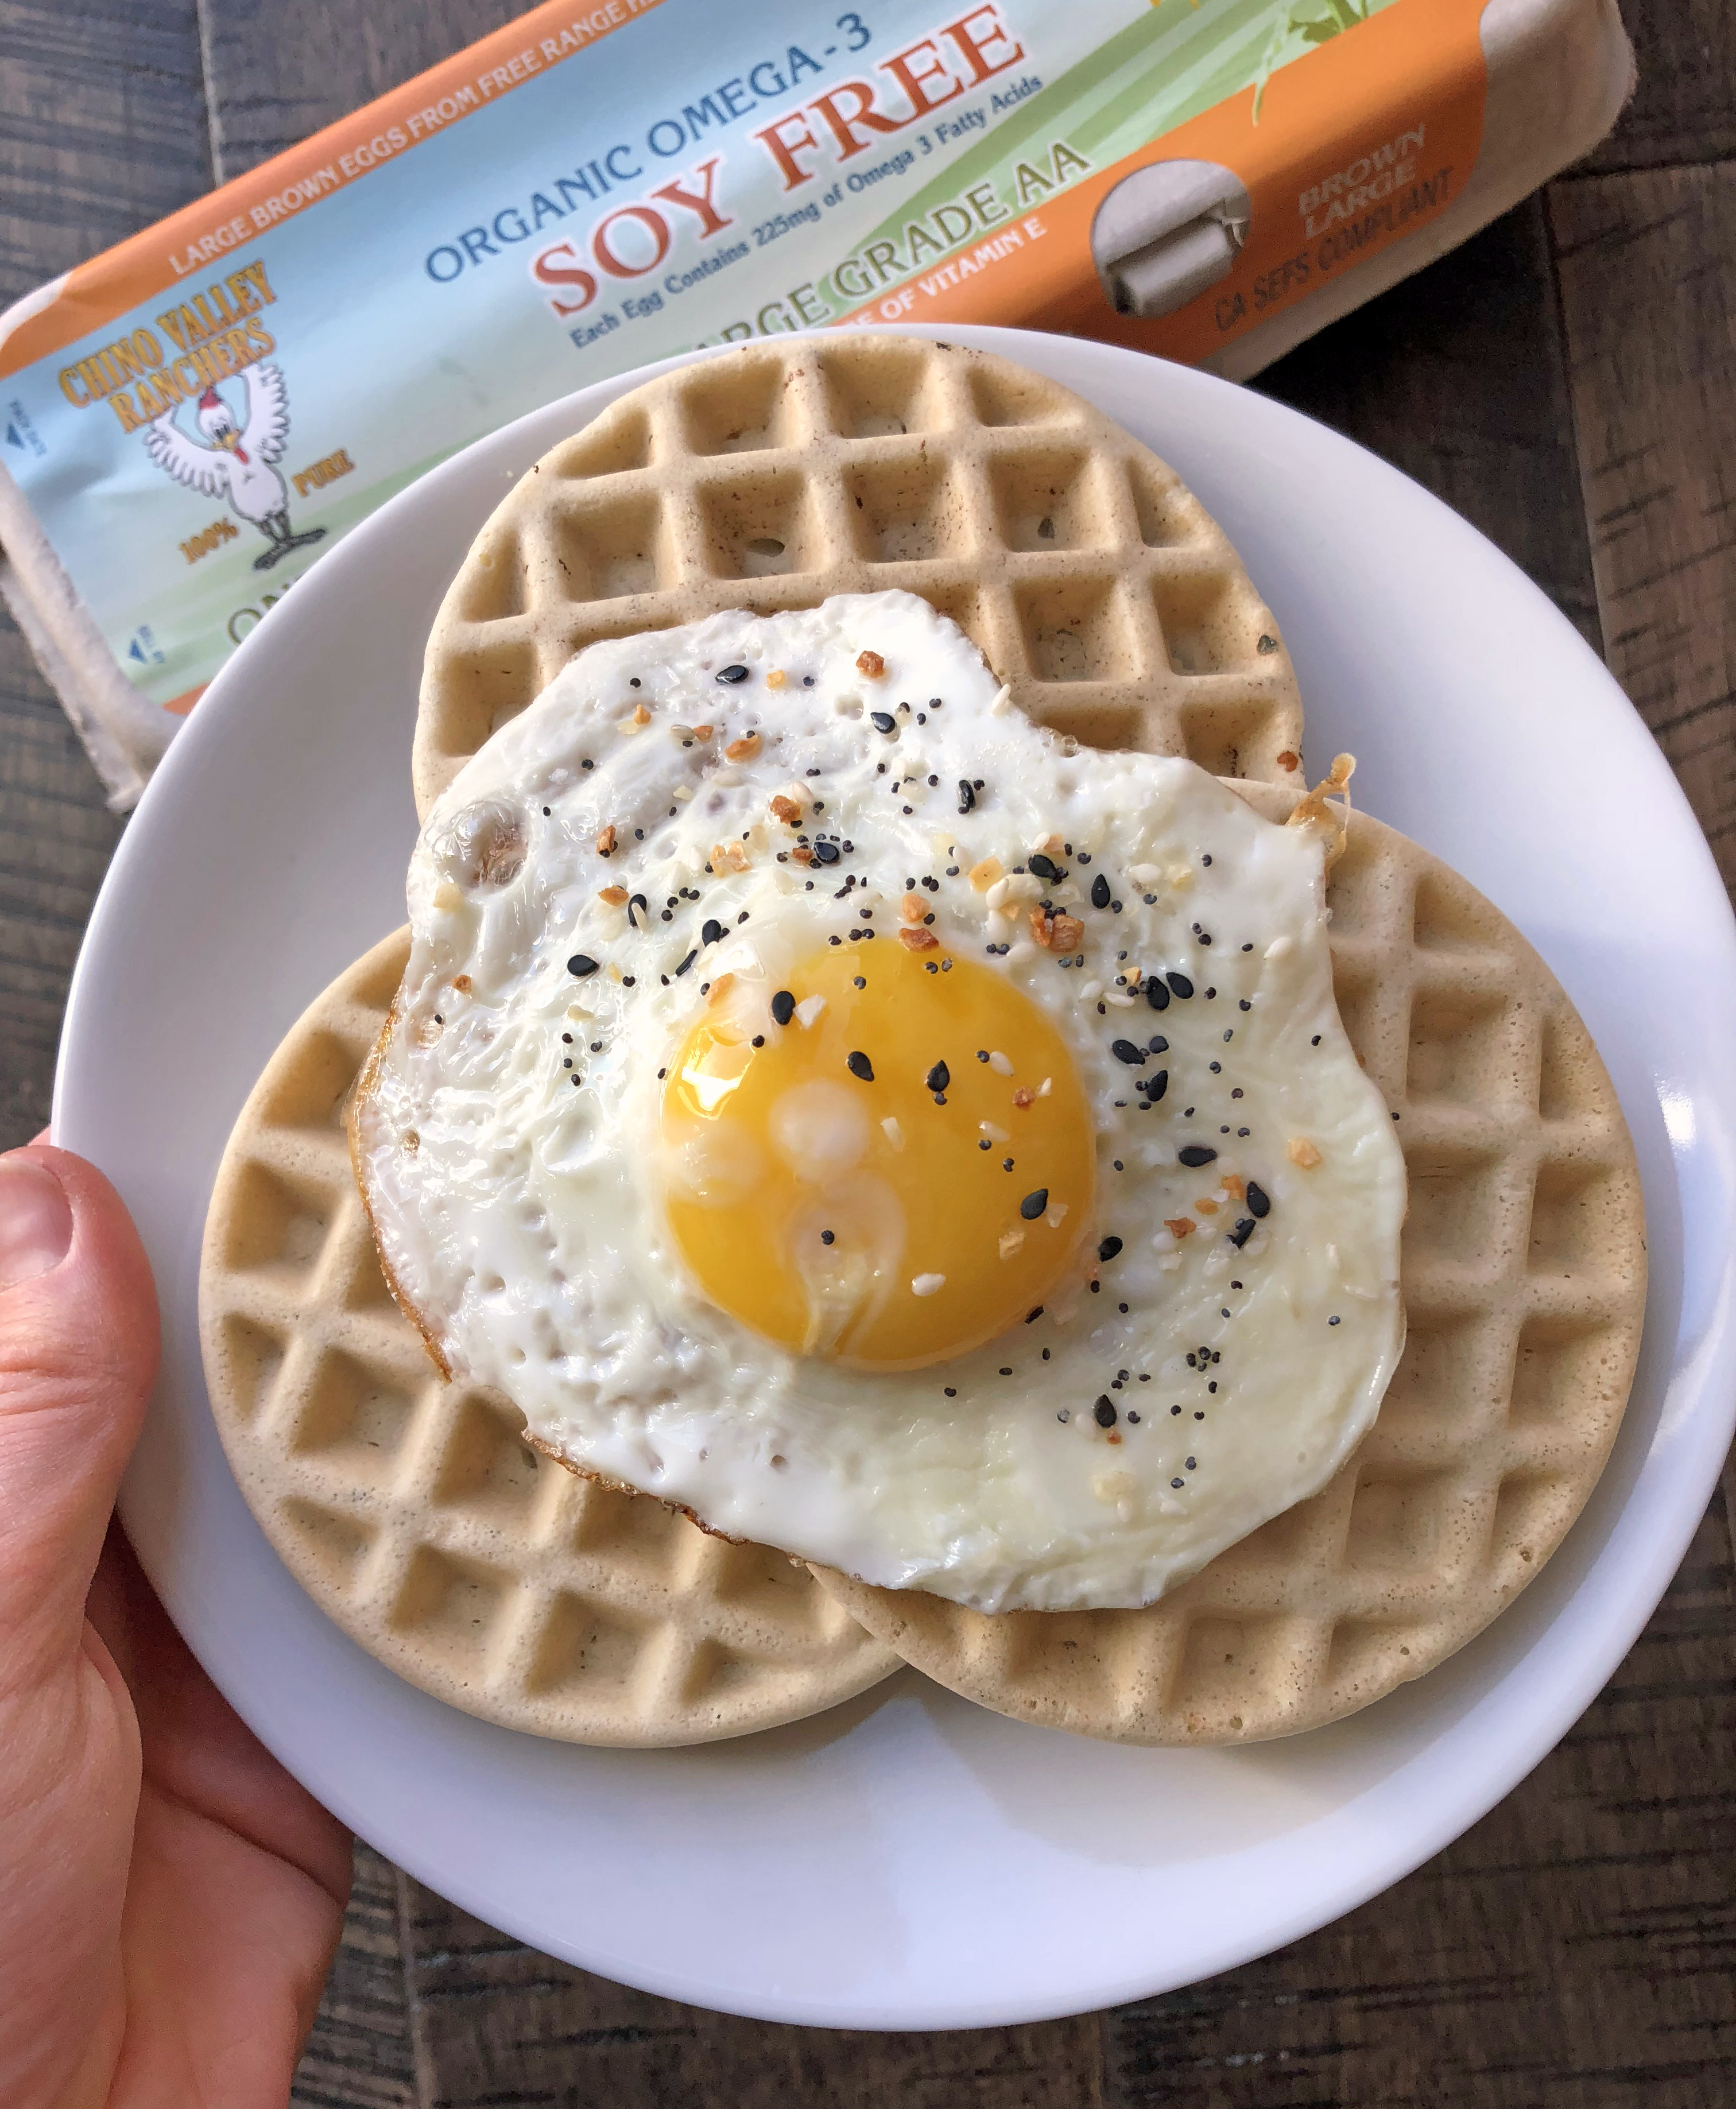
(523, 1230)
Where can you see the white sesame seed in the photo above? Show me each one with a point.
(999, 1063)
(808, 1010)
(994, 1134)
(893, 1133)
(1091, 992)
(1056, 1215)
(927, 1285)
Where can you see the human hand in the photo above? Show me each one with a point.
(169, 1898)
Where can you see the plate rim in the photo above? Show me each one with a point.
(1698, 1451)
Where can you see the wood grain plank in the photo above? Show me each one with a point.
(101, 131)
(1458, 376)
(1576, 1949)
(360, 2055)
(1647, 290)
(497, 2023)
(277, 72)
(102, 128)
(1682, 109)
(56, 838)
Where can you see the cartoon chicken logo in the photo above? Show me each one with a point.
(236, 461)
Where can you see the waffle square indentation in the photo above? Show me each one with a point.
(1234, 739)
(281, 1221)
(335, 1542)
(906, 509)
(451, 1603)
(584, 1643)
(1569, 1212)
(759, 526)
(1048, 500)
(1456, 1208)
(878, 392)
(1459, 1048)
(485, 1467)
(1207, 626)
(352, 1417)
(743, 407)
(607, 551)
(1075, 630)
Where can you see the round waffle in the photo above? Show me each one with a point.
(415, 1513)
(1524, 1283)
(1091, 579)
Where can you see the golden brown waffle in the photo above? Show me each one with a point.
(1524, 1280)
(1093, 582)
(414, 1511)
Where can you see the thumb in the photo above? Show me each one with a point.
(78, 1354)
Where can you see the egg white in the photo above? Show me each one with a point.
(515, 1208)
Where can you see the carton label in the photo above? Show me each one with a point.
(199, 414)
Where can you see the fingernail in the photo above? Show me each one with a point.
(35, 1220)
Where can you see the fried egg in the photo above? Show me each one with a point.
(825, 1100)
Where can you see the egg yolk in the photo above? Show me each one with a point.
(901, 1171)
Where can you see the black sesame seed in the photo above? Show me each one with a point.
(1100, 891)
(1104, 1412)
(966, 795)
(730, 675)
(687, 963)
(1242, 1232)
(1177, 1483)
(1006, 1373)
(1157, 1044)
(939, 1077)
(1033, 1204)
(1157, 994)
(1045, 867)
(759, 1040)
(1259, 1202)
(1180, 983)
(711, 931)
(826, 852)
(638, 901)
(1332, 1322)
(1108, 1248)
(1031, 1317)
(859, 981)
(582, 966)
(1194, 1155)
(1315, 1041)
(826, 1237)
(1124, 1050)
(859, 1066)
(1155, 1087)
(783, 1007)
(883, 721)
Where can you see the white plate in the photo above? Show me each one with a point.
(910, 1861)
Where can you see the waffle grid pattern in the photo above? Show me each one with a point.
(1524, 1281)
(1093, 582)
(414, 1510)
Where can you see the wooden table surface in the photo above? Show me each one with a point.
(1568, 381)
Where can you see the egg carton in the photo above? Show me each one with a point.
(1094, 583)
(1524, 1279)
(415, 1512)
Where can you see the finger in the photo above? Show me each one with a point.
(78, 1354)
(198, 1752)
